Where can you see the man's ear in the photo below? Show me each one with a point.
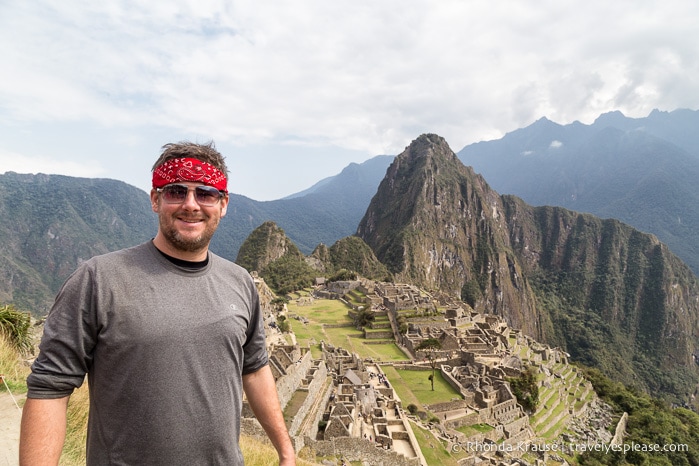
(224, 205)
(154, 199)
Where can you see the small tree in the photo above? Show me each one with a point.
(283, 324)
(430, 346)
(526, 389)
(343, 275)
(279, 303)
(364, 317)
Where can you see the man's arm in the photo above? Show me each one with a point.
(43, 431)
(262, 395)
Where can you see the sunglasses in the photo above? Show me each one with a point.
(177, 193)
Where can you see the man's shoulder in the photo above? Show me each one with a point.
(127, 255)
(228, 266)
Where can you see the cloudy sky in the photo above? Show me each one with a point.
(293, 91)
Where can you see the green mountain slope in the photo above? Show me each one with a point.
(51, 223)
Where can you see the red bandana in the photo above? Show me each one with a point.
(175, 170)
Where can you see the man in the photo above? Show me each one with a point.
(169, 335)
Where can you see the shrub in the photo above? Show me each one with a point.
(526, 390)
(15, 324)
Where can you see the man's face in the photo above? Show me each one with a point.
(187, 226)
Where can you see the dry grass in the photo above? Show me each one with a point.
(76, 433)
(257, 452)
(15, 373)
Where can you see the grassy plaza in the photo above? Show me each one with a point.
(327, 320)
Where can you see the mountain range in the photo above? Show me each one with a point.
(612, 296)
(641, 171)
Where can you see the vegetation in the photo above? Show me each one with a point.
(50, 222)
(471, 292)
(269, 252)
(15, 325)
(343, 275)
(279, 302)
(363, 317)
(432, 448)
(430, 346)
(288, 273)
(328, 320)
(651, 422)
(526, 389)
(76, 428)
(283, 324)
(413, 387)
(352, 253)
(276, 258)
(13, 372)
(625, 349)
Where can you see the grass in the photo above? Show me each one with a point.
(76, 429)
(15, 373)
(432, 449)
(475, 429)
(258, 452)
(292, 408)
(324, 312)
(414, 387)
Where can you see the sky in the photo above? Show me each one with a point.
(291, 92)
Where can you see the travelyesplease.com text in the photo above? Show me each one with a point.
(562, 447)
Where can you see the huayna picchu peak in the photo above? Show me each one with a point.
(437, 224)
(611, 296)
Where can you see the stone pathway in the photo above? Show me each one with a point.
(10, 418)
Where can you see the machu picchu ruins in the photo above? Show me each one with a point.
(343, 406)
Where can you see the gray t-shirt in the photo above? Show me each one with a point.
(164, 348)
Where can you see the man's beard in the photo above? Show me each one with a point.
(181, 243)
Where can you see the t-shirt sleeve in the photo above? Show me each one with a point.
(65, 352)
(255, 348)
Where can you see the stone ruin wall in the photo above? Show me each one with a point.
(287, 384)
(360, 450)
(303, 376)
(313, 387)
(299, 438)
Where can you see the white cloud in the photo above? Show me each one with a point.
(555, 145)
(358, 75)
(19, 163)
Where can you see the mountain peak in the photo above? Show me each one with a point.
(614, 118)
(425, 147)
